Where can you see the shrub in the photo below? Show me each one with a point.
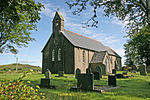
(19, 90)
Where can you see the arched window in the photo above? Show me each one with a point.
(59, 54)
(53, 55)
(83, 54)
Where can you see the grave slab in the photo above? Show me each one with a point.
(112, 80)
(85, 82)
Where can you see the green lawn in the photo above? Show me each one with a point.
(133, 88)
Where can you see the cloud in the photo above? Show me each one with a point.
(48, 11)
(124, 23)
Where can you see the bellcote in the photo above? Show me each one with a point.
(58, 22)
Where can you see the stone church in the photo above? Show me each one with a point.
(68, 51)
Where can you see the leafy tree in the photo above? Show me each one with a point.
(17, 18)
(136, 12)
(138, 47)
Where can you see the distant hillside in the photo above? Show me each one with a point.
(20, 67)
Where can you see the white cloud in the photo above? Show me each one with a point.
(115, 20)
(48, 11)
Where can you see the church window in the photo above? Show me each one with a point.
(53, 55)
(83, 54)
(59, 54)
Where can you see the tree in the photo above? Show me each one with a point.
(136, 12)
(138, 48)
(17, 19)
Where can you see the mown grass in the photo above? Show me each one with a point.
(133, 88)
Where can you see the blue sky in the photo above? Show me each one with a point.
(110, 32)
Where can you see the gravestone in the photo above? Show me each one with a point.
(119, 76)
(88, 71)
(112, 80)
(85, 82)
(114, 71)
(98, 69)
(47, 74)
(78, 71)
(45, 82)
(125, 73)
(148, 69)
(143, 70)
(60, 73)
(96, 75)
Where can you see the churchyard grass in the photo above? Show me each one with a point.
(134, 88)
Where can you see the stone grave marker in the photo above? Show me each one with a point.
(60, 73)
(143, 70)
(112, 80)
(119, 75)
(85, 82)
(114, 71)
(45, 82)
(148, 69)
(98, 69)
(88, 71)
(96, 75)
(125, 73)
(47, 74)
(78, 71)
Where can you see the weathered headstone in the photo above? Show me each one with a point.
(78, 71)
(88, 71)
(98, 69)
(148, 69)
(96, 75)
(45, 83)
(112, 80)
(85, 82)
(119, 75)
(125, 73)
(114, 71)
(143, 70)
(60, 73)
(47, 74)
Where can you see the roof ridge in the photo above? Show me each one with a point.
(83, 36)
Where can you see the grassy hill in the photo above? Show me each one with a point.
(20, 67)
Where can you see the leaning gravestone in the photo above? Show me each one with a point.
(45, 82)
(60, 73)
(85, 82)
(114, 71)
(112, 80)
(96, 75)
(143, 70)
(78, 71)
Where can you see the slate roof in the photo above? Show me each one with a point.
(87, 43)
(98, 57)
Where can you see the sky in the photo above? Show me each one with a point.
(110, 32)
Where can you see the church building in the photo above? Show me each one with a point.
(68, 51)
